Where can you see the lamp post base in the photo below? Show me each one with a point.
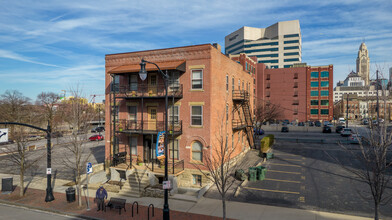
(49, 195)
(166, 213)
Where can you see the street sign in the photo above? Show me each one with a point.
(3, 135)
(166, 184)
(89, 168)
(48, 170)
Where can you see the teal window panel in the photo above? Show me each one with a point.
(324, 74)
(291, 48)
(324, 83)
(324, 111)
(291, 41)
(234, 45)
(268, 61)
(313, 93)
(314, 111)
(262, 50)
(274, 67)
(287, 66)
(235, 49)
(324, 102)
(314, 102)
(314, 84)
(291, 35)
(314, 74)
(291, 54)
(261, 44)
(291, 60)
(324, 92)
(268, 55)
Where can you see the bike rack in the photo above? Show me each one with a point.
(137, 208)
(148, 211)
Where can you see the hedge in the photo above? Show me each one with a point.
(266, 143)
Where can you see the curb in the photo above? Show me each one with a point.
(5, 202)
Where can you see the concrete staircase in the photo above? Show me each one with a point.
(131, 185)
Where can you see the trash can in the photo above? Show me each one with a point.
(270, 156)
(70, 194)
(260, 172)
(7, 184)
(240, 174)
(252, 173)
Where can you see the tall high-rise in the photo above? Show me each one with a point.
(363, 63)
(277, 46)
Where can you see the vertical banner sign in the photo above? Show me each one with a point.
(160, 148)
(3, 135)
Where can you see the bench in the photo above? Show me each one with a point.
(119, 158)
(116, 203)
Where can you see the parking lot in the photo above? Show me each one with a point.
(302, 175)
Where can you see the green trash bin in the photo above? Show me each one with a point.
(260, 172)
(252, 173)
(270, 156)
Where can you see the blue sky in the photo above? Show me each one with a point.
(53, 45)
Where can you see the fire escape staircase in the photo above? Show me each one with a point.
(241, 102)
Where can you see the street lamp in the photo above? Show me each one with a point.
(143, 76)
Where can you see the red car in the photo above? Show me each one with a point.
(96, 138)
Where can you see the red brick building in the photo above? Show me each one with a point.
(301, 93)
(207, 90)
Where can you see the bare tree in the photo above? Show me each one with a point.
(266, 112)
(48, 101)
(221, 162)
(77, 114)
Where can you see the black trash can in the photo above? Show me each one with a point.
(70, 193)
(6, 184)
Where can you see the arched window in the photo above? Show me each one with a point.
(197, 151)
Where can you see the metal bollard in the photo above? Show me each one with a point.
(137, 208)
(148, 211)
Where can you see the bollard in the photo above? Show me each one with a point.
(148, 211)
(137, 208)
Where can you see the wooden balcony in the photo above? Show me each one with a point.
(132, 126)
(147, 91)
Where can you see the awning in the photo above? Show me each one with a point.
(135, 68)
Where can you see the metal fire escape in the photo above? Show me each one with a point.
(242, 106)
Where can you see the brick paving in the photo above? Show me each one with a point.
(35, 199)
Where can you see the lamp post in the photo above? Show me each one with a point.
(143, 76)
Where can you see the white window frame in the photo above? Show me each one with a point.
(192, 80)
(201, 151)
(176, 116)
(197, 115)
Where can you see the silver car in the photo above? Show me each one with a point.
(346, 132)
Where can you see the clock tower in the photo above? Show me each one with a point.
(363, 66)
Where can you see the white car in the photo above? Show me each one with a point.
(346, 132)
(355, 139)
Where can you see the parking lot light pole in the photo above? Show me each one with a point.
(143, 76)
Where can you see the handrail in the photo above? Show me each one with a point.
(124, 124)
(142, 90)
(137, 208)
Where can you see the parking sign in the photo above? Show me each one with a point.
(89, 168)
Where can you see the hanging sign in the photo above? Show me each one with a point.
(160, 148)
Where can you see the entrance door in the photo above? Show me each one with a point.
(147, 151)
(152, 84)
(152, 118)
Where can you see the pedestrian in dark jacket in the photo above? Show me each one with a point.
(101, 195)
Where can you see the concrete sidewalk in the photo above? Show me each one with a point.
(204, 206)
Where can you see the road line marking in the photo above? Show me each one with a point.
(289, 165)
(288, 181)
(303, 177)
(301, 199)
(291, 159)
(271, 190)
(278, 171)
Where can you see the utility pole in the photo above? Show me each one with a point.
(347, 110)
(378, 107)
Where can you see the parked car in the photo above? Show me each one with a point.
(317, 124)
(339, 128)
(355, 138)
(301, 124)
(96, 137)
(258, 131)
(98, 129)
(33, 138)
(311, 123)
(346, 132)
(285, 129)
(327, 129)
(55, 134)
(365, 122)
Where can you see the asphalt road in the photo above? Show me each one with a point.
(21, 213)
(95, 151)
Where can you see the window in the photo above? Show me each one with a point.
(314, 84)
(274, 67)
(153, 80)
(153, 114)
(197, 115)
(227, 113)
(314, 111)
(116, 83)
(262, 50)
(239, 84)
(133, 82)
(174, 80)
(314, 102)
(324, 83)
(287, 66)
(268, 61)
(175, 149)
(261, 44)
(175, 116)
(227, 83)
(232, 82)
(291, 35)
(324, 111)
(196, 179)
(313, 93)
(324, 74)
(268, 55)
(132, 110)
(246, 65)
(197, 151)
(114, 113)
(133, 144)
(197, 79)
(291, 60)
(291, 48)
(314, 74)
(324, 93)
(291, 54)
(324, 102)
(291, 42)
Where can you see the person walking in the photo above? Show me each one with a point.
(101, 195)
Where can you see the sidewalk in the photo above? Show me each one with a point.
(206, 209)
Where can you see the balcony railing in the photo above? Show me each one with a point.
(155, 167)
(151, 126)
(138, 91)
(240, 95)
(238, 124)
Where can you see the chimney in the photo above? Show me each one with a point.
(217, 46)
